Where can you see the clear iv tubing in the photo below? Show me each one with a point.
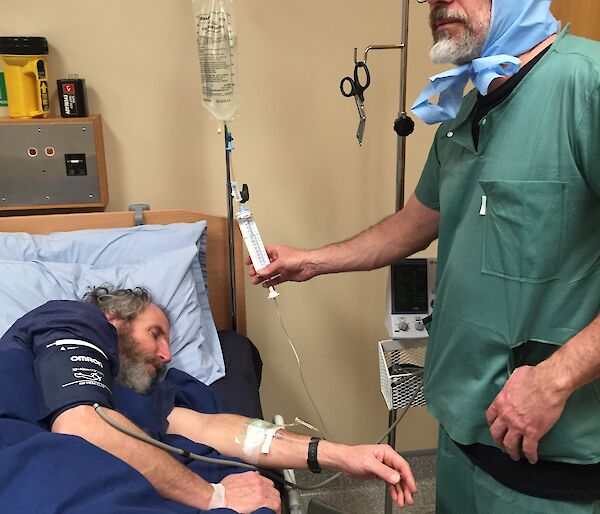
(259, 256)
(325, 431)
(189, 455)
(260, 259)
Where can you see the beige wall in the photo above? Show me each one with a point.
(584, 16)
(310, 183)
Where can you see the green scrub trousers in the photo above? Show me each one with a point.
(463, 488)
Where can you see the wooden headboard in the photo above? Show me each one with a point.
(217, 255)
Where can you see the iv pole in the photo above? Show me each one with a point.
(403, 126)
(232, 278)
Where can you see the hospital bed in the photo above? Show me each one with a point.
(60, 256)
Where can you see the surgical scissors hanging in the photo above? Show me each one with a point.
(404, 125)
(357, 90)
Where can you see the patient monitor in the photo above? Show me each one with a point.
(411, 293)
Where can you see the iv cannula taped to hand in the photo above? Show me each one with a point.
(252, 239)
(217, 51)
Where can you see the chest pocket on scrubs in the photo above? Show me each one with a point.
(523, 231)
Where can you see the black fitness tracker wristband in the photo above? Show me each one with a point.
(312, 461)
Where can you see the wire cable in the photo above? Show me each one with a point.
(141, 436)
(408, 377)
(164, 446)
(189, 455)
(404, 411)
(392, 427)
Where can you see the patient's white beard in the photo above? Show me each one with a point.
(134, 375)
(465, 47)
(133, 372)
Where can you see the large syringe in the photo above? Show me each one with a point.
(251, 235)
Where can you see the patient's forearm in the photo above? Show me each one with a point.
(227, 434)
(170, 478)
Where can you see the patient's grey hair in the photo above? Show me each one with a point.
(124, 304)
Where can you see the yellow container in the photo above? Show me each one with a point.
(25, 73)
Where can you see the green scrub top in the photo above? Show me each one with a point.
(519, 246)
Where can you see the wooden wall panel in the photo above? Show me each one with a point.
(584, 16)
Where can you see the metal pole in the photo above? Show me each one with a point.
(400, 174)
(392, 442)
(232, 296)
(401, 146)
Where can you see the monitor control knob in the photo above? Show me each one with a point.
(403, 325)
(419, 325)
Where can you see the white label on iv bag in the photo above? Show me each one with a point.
(217, 51)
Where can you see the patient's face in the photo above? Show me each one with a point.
(143, 348)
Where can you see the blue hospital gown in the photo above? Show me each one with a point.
(54, 473)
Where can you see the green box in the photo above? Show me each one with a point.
(3, 97)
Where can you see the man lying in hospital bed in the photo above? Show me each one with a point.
(109, 351)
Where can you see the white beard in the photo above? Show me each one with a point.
(466, 46)
(455, 51)
(134, 375)
(133, 372)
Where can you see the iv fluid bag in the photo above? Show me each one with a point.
(217, 50)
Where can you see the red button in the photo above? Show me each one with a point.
(49, 151)
(32, 152)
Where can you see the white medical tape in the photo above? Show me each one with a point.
(269, 435)
(257, 439)
(218, 500)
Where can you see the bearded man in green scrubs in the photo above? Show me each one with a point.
(511, 189)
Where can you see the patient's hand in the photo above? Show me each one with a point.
(383, 462)
(247, 492)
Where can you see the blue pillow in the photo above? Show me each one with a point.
(17, 246)
(167, 275)
(109, 247)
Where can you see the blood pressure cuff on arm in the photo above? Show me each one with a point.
(72, 372)
(75, 356)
